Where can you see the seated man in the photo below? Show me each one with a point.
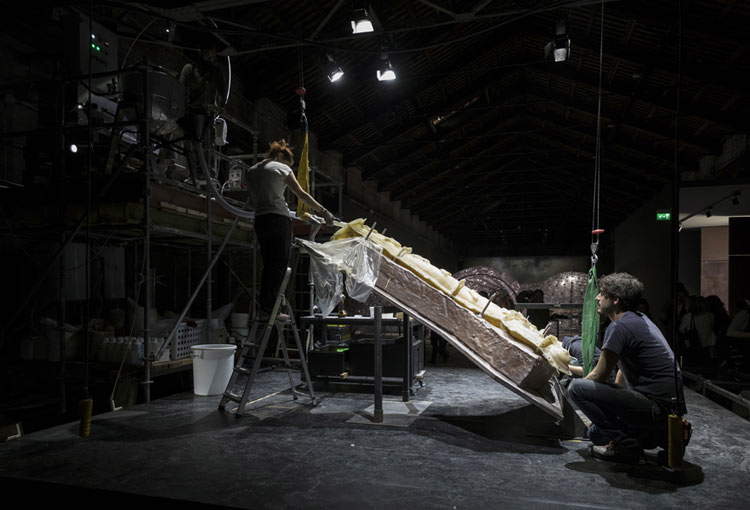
(626, 419)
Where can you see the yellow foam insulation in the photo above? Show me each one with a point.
(511, 321)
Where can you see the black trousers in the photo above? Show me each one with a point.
(274, 234)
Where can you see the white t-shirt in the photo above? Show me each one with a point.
(266, 183)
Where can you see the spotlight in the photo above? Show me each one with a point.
(73, 148)
(361, 22)
(170, 30)
(335, 73)
(708, 212)
(386, 71)
(559, 48)
(562, 49)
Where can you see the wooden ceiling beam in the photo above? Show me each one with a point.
(650, 157)
(627, 117)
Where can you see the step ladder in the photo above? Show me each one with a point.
(274, 321)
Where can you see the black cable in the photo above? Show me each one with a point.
(137, 38)
(598, 150)
(228, 82)
(307, 42)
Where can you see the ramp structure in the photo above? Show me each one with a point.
(509, 362)
(520, 366)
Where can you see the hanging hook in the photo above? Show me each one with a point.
(594, 257)
(595, 245)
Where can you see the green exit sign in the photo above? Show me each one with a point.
(663, 216)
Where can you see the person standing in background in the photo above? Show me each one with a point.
(738, 331)
(698, 328)
(721, 323)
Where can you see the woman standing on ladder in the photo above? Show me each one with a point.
(267, 181)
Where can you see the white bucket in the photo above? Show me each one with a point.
(212, 367)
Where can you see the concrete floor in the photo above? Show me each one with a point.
(474, 445)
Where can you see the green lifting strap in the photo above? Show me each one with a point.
(589, 322)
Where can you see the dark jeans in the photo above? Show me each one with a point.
(618, 413)
(194, 124)
(274, 234)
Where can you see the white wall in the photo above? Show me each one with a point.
(715, 262)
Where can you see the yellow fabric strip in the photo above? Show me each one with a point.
(303, 176)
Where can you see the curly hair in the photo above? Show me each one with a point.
(281, 149)
(624, 286)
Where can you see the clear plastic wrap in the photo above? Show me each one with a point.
(362, 265)
(358, 258)
(328, 282)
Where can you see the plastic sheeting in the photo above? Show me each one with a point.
(357, 259)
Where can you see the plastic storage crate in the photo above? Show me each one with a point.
(187, 336)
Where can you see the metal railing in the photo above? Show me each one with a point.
(705, 385)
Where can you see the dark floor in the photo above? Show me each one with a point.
(476, 445)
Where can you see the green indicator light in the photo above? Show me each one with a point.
(342, 349)
(663, 216)
(93, 45)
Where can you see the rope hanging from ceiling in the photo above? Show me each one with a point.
(590, 316)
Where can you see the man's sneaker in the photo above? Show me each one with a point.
(616, 453)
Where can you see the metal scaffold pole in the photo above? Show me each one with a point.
(209, 257)
(254, 260)
(61, 266)
(254, 270)
(146, 142)
(170, 338)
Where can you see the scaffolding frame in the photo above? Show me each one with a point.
(151, 233)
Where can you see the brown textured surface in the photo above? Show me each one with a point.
(514, 360)
(488, 281)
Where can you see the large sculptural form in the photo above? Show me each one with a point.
(503, 338)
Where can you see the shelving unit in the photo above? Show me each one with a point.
(412, 354)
